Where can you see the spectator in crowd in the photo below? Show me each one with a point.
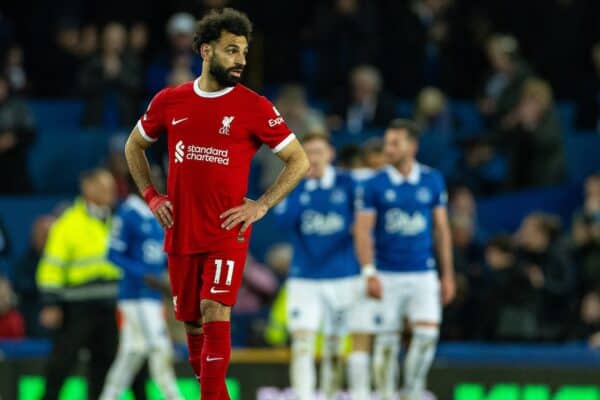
(502, 91)
(589, 326)
(56, 65)
(588, 105)
(14, 69)
(110, 82)
(78, 286)
(293, 105)
(460, 318)
(179, 58)
(346, 36)
(365, 105)
(88, 42)
(436, 144)
(138, 40)
(530, 136)
(11, 321)
(24, 273)
(17, 134)
(418, 31)
(4, 249)
(585, 237)
(544, 257)
(479, 168)
(512, 301)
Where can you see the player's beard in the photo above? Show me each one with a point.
(222, 75)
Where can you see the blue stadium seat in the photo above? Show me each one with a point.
(51, 114)
(343, 138)
(583, 154)
(59, 155)
(468, 119)
(404, 108)
(567, 113)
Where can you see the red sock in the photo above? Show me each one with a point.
(215, 360)
(195, 343)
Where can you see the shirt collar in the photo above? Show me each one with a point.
(397, 178)
(325, 182)
(217, 93)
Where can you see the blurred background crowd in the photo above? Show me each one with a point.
(506, 92)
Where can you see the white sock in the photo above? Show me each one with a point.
(419, 359)
(302, 368)
(330, 364)
(385, 363)
(161, 370)
(359, 381)
(121, 373)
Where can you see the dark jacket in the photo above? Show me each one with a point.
(111, 102)
(15, 117)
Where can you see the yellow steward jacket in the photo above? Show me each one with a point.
(74, 265)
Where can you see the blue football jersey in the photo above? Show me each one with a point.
(320, 214)
(136, 246)
(404, 224)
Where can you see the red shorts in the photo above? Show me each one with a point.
(215, 276)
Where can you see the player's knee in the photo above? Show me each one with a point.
(425, 336)
(214, 311)
(361, 342)
(193, 327)
(303, 343)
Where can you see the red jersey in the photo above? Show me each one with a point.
(212, 137)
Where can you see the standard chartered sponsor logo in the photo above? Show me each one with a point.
(179, 151)
(398, 221)
(315, 223)
(201, 153)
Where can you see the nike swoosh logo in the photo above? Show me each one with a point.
(177, 121)
(213, 290)
(209, 359)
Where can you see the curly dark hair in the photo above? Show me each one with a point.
(209, 28)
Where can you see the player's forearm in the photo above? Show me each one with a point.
(443, 244)
(295, 169)
(138, 164)
(363, 245)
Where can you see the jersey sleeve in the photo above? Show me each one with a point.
(270, 128)
(153, 123)
(122, 233)
(365, 198)
(440, 194)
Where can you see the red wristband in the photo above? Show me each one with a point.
(149, 193)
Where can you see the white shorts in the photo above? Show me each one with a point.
(366, 315)
(321, 304)
(143, 326)
(415, 295)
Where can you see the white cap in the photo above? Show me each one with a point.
(181, 23)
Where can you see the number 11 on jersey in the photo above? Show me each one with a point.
(219, 267)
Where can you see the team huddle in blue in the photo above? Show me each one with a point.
(320, 214)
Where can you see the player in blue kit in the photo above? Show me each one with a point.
(401, 236)
(136, 247)
(324, 272)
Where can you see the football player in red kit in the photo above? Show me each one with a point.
(214, 126)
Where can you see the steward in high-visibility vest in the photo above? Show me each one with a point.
(74, 265)
(79, 286)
